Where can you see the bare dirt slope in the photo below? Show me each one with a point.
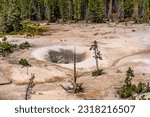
(121, 47)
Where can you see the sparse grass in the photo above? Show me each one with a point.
(98, 72)
(24, 45)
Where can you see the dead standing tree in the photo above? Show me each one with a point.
(75, 87)
(29, 88)
(75, 70)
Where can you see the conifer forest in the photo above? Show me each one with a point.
(12, 12)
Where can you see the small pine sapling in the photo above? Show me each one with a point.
(24, 62)
(97, 56)
(127, 89)
(129, 76)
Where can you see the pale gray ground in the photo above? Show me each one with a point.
(121, 47)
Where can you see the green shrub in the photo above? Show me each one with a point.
(6, 48)
(125, 92)
(142, 20)
(128, 89)
(24, 45)
(129, 76)
(79, 88)
(98, 72)
(142, 97)
(2, 34)
(147, 88)
(24, 62)
(32, 28)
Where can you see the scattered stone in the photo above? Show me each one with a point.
(133, 30)
(118, 71)
(14, 62)
(66, 30)
(40, 93)
(96, 34)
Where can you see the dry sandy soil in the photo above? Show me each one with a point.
(121, 47)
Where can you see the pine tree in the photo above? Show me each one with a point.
(144, 9)
(14, 11)
(128, 8)
(71, 10)
(10, 17)
(64, 9)
(110, 10)
(77, 9)
(96, 10)
(136, 10)
(120, 11)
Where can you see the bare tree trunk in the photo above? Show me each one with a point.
(136, 10)
(120, 11)
(105, 7)
(75, 73)
(86, 11)
(110, 10)
(144, 9)
(71, 10)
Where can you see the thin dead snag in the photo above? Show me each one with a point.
(29, 88)
(75, 70)
(74, 86)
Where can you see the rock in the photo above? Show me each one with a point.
(133, 30)
(96, 34)
(40, 93)
(118, 71)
